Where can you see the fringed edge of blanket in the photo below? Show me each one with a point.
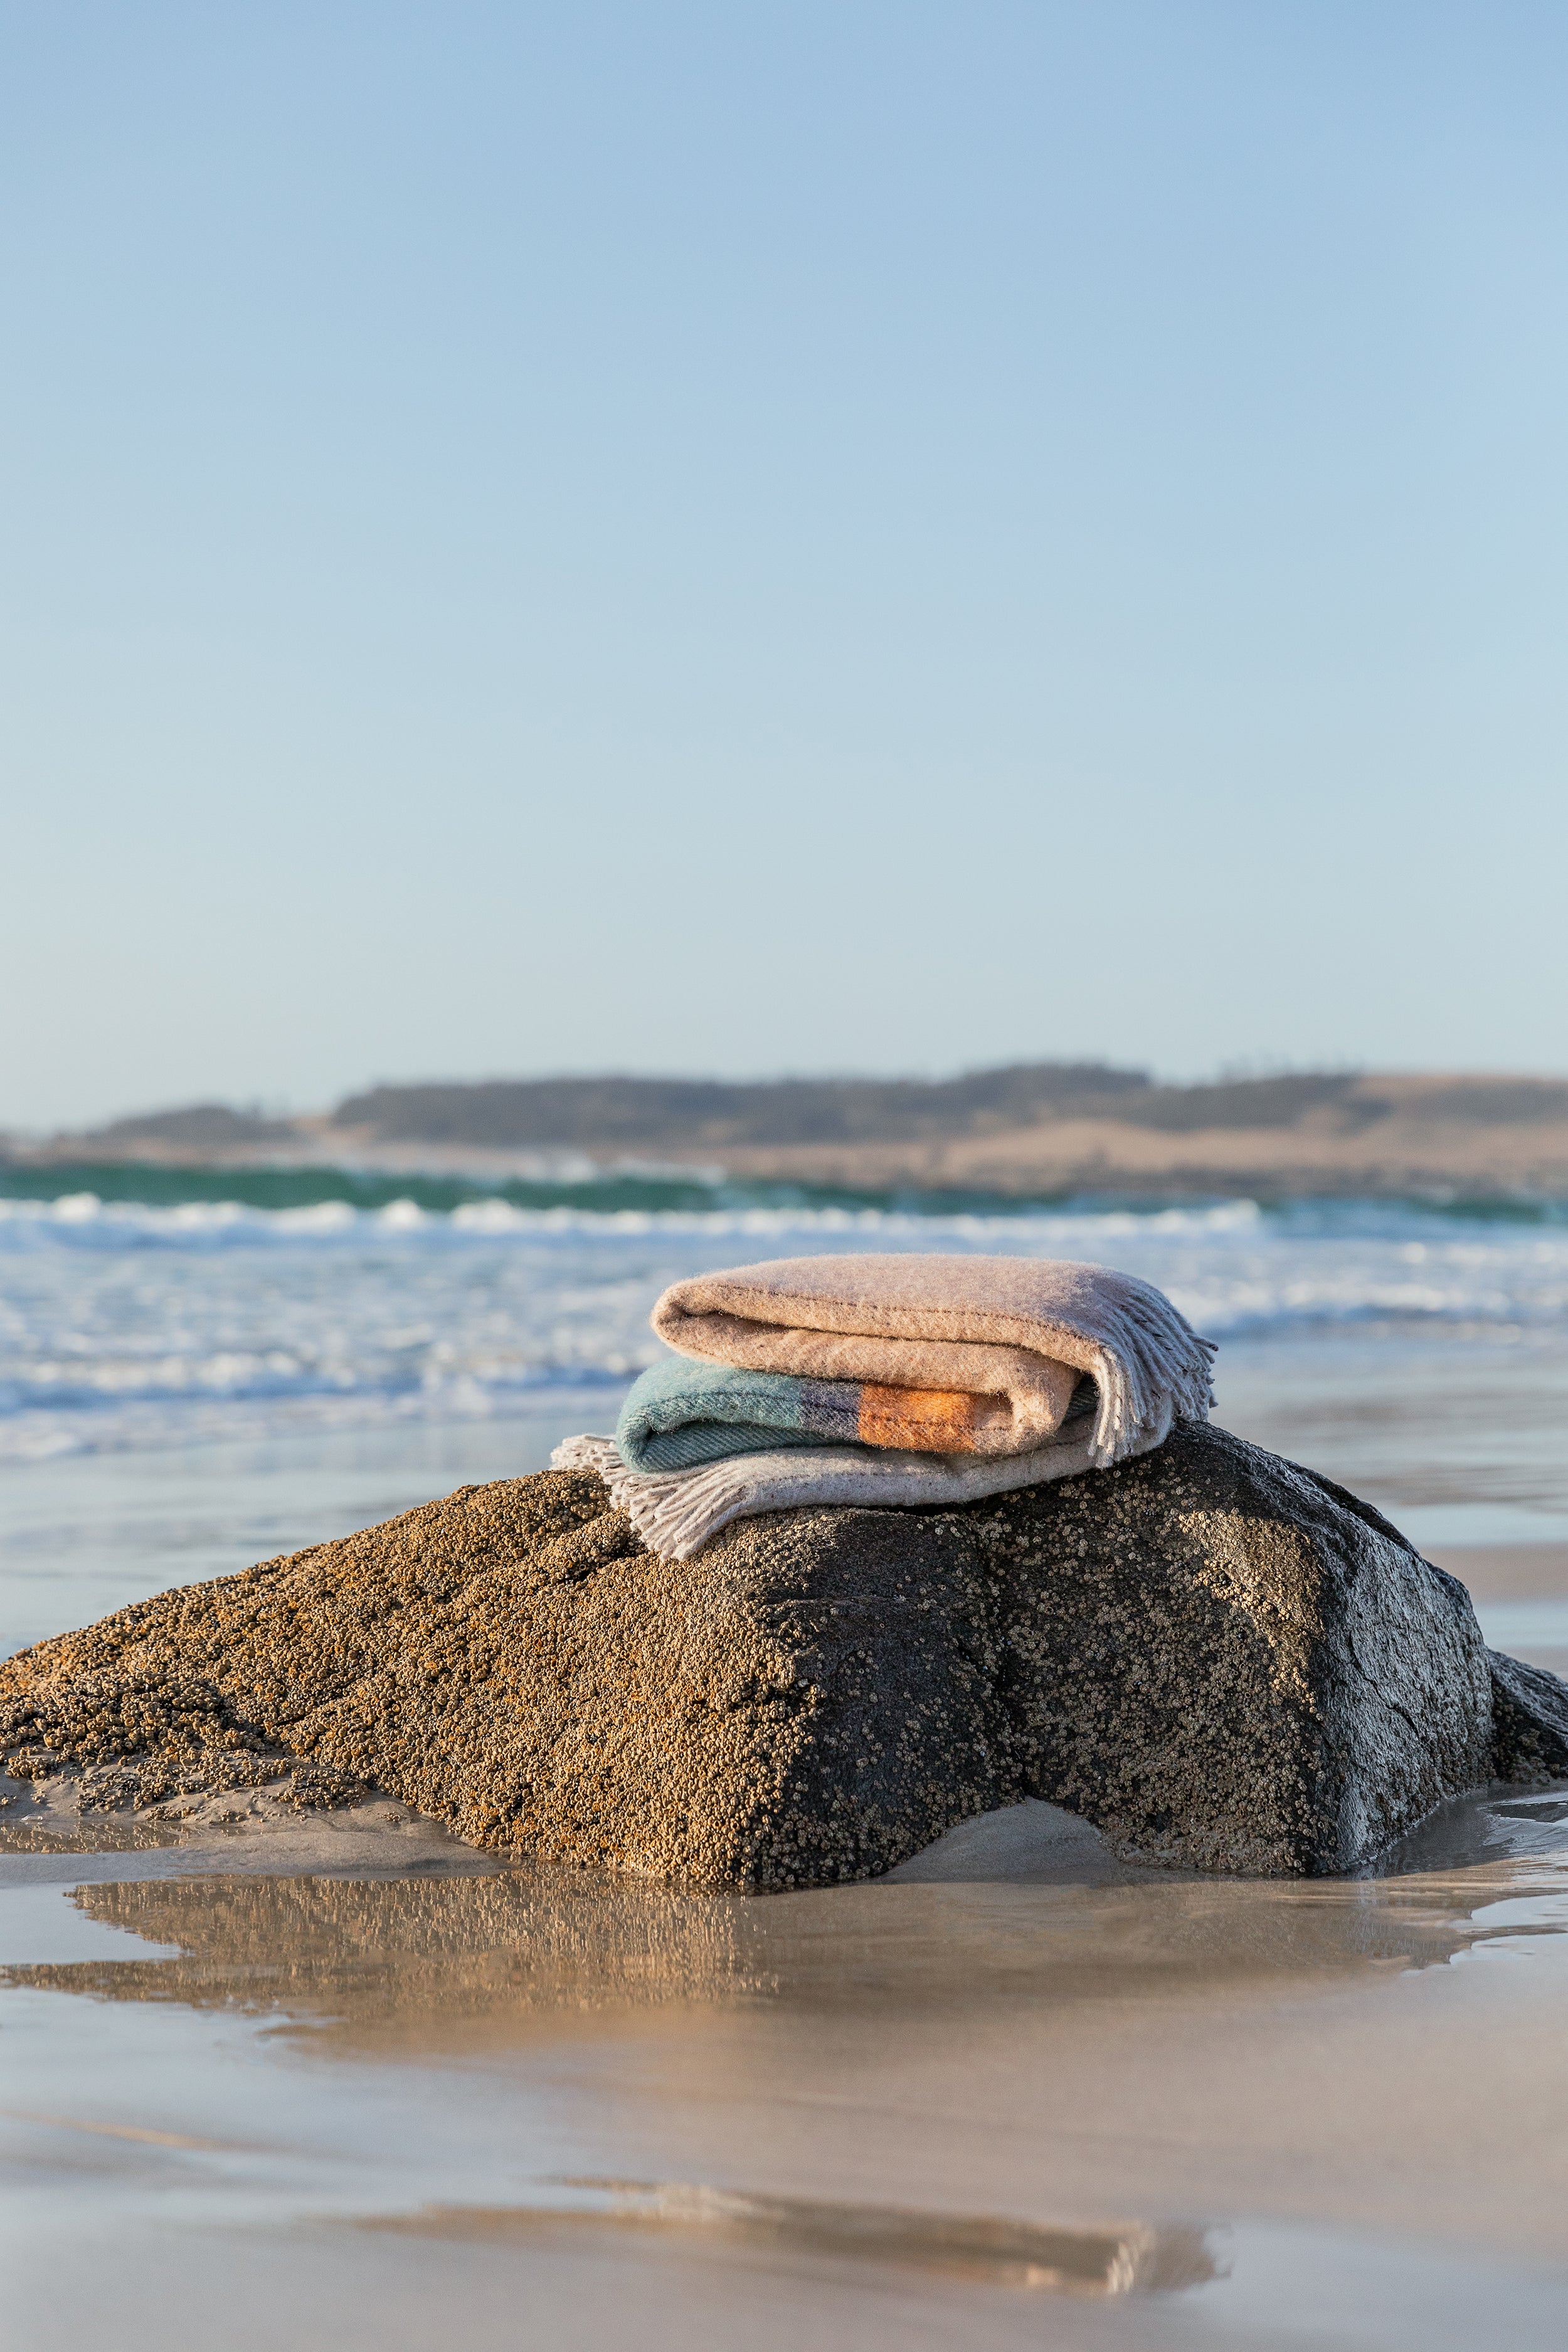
(1150, 1364)
(675, 1512)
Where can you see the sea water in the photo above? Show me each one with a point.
(200, 1367)
(338, 2095)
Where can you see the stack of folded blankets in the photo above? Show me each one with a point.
(888, 1379)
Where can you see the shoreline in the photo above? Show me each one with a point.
(1506, 1571)
(1013, 2094)
(1029, 1129)
(879, 1178)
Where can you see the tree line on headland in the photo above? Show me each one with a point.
(1021, 1127)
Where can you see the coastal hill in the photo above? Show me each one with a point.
(1027, 1129)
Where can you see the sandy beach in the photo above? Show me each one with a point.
(784, 1181)
(1015, 2094)
(348, 2075)
(343, 2079)
(1010, 1131)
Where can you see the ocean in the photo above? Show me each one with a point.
(339, 2078)
(203, 1366)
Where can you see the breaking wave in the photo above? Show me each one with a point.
(128, 1322)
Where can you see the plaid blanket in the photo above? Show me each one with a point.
(682, 1413)
(1012, 1335)
(902, 1380)
(676, 1511)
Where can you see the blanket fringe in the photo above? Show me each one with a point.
(675, 1512)
(1153, 1363)
(1149, 1369)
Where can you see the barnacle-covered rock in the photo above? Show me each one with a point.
(1221, 1660)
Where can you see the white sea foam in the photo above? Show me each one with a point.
(82, 1217)
(124, 1324)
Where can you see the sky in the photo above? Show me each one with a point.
(784, 538)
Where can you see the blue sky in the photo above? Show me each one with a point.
(745, 539)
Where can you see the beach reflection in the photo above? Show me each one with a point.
(1239, 2112)
(1131, 2258)
(446, 1960)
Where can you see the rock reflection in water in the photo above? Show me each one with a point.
(443, 1957)
(1131, 2259)
(438, 1952)
(1481, 1829)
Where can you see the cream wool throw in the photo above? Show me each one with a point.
(676, 1511)
(1013, 1334)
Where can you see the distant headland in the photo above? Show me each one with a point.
(1029, 1129)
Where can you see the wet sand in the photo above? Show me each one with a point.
(1520, 1593)
(339, 2080)
(347, 2082)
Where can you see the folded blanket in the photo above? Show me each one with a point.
(676, 1511)
(1013, 1334)
(682, 1413)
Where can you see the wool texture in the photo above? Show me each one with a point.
(676, 1511)
(681, 1413)
(1015, 1333)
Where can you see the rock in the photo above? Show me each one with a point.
(1253, 1672)
(1529, 1722)
(1220, 1660)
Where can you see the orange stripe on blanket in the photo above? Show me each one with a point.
(921, 1421)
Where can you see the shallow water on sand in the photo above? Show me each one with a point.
(1015, 2095)
(344, 2081)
